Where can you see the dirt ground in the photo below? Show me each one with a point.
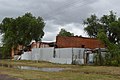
(6, 77)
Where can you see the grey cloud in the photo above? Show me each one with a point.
(62, 11)
(51, 26)
(65, 12)
(59, 10)
(68, 14)
(49, 37)
(104, 6)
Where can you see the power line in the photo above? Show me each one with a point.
(77, 6)
(69, 4)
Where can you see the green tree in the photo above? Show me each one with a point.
(107, 29)
(21, 31)
(9, 35)
(109, 23)
(63, 32)
(112, 57)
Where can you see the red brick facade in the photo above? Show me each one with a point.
(78, 42)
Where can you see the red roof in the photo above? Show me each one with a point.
(78, 42)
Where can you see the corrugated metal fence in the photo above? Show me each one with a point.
(57, 55)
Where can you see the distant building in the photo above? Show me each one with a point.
(19, 50)
(42, 44)
(66, 50)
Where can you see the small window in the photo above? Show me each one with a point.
(83, 46)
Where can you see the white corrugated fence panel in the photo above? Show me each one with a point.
(63, 53)
(61, 60)
(35, 53)
(26, 56)
(78, 55)
(46, 53)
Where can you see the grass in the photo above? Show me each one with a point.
(35, 63)
(76, 72)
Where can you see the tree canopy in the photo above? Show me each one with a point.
(110, 24)
(21, 30)
(112, 56)
(63, 32)
(107, 29)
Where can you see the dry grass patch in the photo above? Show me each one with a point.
(74, 72)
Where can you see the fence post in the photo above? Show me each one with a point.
(72, 56)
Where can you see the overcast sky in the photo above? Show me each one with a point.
(57, 14)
